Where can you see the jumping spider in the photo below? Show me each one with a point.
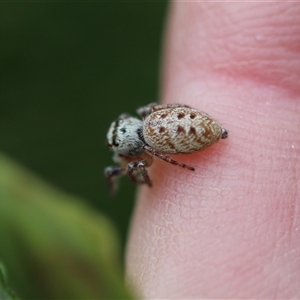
(165, 129)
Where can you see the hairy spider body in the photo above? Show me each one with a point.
(165, 129)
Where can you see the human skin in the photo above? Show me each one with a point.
(231, 229)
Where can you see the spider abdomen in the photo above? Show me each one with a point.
(180, 130)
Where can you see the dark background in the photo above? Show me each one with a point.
(68, 69)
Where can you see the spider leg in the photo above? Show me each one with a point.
(124, 116)
(140, 166)
(110, 174)
(167, 158)
(145, 111)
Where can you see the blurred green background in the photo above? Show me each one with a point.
(68, 69)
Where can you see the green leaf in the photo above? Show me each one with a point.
(53, 244)
(6, 293)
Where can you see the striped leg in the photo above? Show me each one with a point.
(139, 166)
(111, 174)
(167, 158)
(145, 111)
